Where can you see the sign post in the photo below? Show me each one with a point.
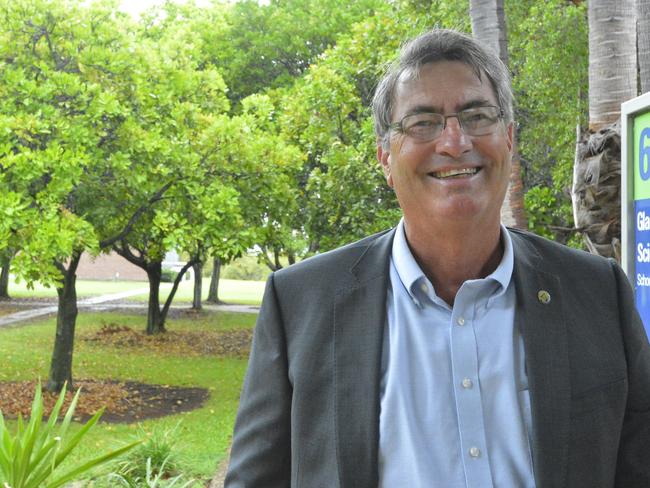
(635, 200)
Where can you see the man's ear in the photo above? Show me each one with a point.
(383, 156)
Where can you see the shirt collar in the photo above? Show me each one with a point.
(411, 275)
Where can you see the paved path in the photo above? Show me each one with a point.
(101, 303)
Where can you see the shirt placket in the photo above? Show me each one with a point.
(467, 390)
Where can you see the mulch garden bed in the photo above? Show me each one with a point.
(124, 402)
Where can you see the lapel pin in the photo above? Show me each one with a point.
(544, 297)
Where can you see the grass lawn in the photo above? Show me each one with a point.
(203, 435)
(231, 291)
(84, 288)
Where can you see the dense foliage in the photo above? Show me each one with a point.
(242, 125)
(100, 113)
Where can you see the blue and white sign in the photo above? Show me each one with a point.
(641, 194)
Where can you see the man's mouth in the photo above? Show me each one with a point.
(455, 173)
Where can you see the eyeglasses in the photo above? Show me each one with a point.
(426, 126)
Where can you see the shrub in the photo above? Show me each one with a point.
(168, 275)
(30, 457)
(245, 268)
(160, 479)
(153, 463)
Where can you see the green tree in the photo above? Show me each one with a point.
(549, 55)
(179, 120)
(269, 45)
(60, 118)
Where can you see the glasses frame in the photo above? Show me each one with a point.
(399, 126)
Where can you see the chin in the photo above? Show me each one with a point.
(462, 209)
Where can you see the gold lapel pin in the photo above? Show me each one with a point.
(544, 297)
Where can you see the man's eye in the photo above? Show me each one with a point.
(476, 117)
(476, 120)
(423, 123)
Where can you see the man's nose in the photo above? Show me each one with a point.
(452, 141)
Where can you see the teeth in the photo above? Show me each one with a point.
(455, 172)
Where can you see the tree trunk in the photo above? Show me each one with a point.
(172, 292)
(612, 59)
(213, 292)
(198, 285)
(643, 43)
(489, 26)
(4, 278)
(154, 323)
(595, 192)
(66, 321)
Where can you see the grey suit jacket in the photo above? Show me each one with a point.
(309, 410)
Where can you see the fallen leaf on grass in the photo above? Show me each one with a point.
(229, 343)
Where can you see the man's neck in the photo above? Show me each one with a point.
(452, 256)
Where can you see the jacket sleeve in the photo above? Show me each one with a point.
(261, 449)
(633, 465)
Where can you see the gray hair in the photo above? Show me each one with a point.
(430, 47)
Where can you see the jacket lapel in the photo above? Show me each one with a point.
(359, 318)
(540, 319)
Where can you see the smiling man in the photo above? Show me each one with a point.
(449, 351)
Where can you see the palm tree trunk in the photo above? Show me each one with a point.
(612, 59)
(595, 193)
(643, 43)
(489, 26)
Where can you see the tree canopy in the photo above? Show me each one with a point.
(214, 130)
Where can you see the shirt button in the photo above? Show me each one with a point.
(467, 383)
(460, 321)
(474, 452)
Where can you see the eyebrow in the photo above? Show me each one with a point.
(419, 109)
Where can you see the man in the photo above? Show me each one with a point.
(448, 352)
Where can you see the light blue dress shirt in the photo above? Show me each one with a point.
(455, 408)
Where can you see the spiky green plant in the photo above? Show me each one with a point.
(30, 457)
(153, 479)
(157, 450)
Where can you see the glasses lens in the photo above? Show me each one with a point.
(478, 121)
(423, 126)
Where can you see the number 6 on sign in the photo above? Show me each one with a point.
(644, 154)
